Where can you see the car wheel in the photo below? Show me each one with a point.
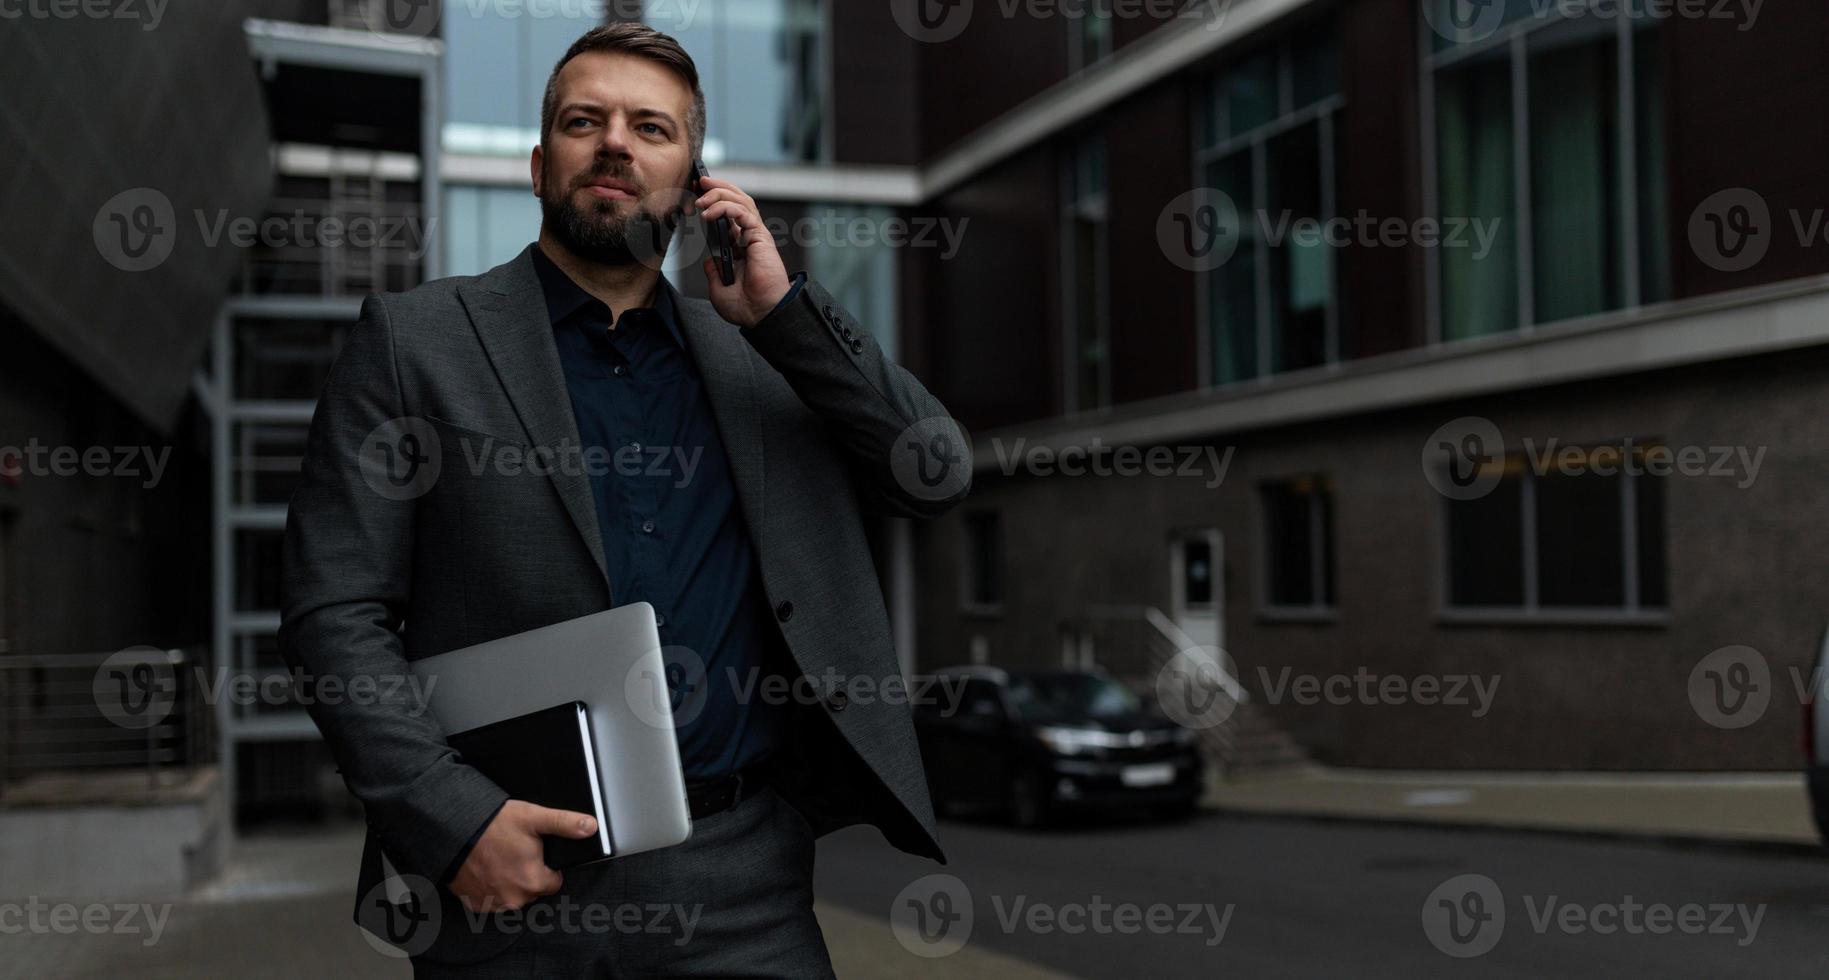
(1028, 807)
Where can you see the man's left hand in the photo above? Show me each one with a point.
(762, 280)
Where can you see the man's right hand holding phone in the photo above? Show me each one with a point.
(507, 869)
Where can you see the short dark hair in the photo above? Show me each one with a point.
(641, 41)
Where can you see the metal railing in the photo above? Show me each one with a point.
(63, 713)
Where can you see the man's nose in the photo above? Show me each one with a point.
(617, 139)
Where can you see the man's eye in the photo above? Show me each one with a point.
(656, 127)
(573, 123)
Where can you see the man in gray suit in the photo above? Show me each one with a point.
(715, 459)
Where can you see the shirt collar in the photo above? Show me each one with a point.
(565, 297)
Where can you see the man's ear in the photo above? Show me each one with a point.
(538, 166)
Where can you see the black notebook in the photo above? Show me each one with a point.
(546, 758)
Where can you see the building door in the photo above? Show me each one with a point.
(1196, 576)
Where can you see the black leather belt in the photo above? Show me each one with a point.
(718, 795)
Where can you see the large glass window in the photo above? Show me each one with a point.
(1587, 537)
(1087, 268)
(486, 226)
(1542, 134)
(760, 64)
(1267, 137)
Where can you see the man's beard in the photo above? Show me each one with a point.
(598, 231)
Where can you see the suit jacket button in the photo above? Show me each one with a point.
(785, 611)
(837, 700)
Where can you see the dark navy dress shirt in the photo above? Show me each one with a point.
(674, 535)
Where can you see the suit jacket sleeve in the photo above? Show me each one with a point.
(348, 575)
(906, 449)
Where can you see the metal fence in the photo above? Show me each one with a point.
(79, 712)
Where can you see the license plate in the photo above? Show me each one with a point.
(1153, 775)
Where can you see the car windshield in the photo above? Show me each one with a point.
(1070, 697)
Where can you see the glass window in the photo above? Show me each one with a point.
(497, 59)
(1085, 240)
(1088, 33)
(761, 64)
(486, 226)
(983, 577)
(1298, 543)
(1530, 139)
(1571, 537)
(1197, 573)
(1271, 305)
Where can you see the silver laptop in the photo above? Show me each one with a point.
(612, 662)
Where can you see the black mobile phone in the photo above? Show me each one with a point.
(718, 232)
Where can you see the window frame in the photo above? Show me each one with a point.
(1322, 553)
(1323, 113)
(969, 603)
(1095, 206)
(1515, 38)
(1531, 611)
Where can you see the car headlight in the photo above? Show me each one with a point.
(1068, 741)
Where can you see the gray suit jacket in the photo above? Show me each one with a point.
(812, 414)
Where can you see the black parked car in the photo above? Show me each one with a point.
(1033, 744)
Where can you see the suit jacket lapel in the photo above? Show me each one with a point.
(508, 309)
(728, 367)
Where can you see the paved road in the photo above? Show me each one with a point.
(1315, 899)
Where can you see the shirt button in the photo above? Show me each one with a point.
(619, 370)
(647, 527)
(837, 700)
(635, 446)
(785, 611)
(660, 620)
